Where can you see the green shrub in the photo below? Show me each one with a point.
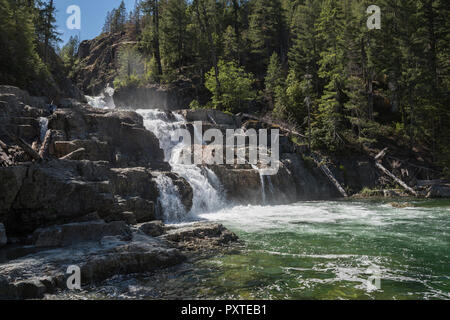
(236, 87)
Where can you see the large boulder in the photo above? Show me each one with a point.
(153, 229)
(12, 179)
(54, 193)
(310, 182)
(200, 236)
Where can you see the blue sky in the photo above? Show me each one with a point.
(93, 13)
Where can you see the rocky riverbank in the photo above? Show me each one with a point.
(82, 186)
(102, 250)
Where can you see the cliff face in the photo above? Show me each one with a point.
(98, 67)
(98, 62)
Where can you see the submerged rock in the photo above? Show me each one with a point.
(200, 236)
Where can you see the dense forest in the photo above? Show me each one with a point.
(311, 64)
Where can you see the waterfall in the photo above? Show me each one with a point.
(43, 127)
(263, 184)
(169, 202)
(104, 100)
(205, 184)
(207, 190)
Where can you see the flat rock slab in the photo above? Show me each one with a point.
(36, 274)
(103, 250)
(70, 234)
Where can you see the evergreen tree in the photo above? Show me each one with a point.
(151, 37)
(20, 64)
(174, 34)
(274, 78)
(267, 31)
(304, 54)
(332, 70)
(47, 29)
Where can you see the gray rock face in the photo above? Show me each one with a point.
(3, 238)
(98, 62)
(61, 192)
(118, 137)
(172, 97)
(439, 191)
(70, 234)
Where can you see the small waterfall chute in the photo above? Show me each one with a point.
(204, 182)
(170, 207)
(263, 184)
(43, 127)
(104, 101)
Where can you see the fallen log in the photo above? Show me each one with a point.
(295, 133)
(3, 145)
(393, 177)
(73, 154)
(381, 154)
(330, 176)
(25, 146)
(44, 151)
(5, 160)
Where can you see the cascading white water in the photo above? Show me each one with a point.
(263, 184)
(43, 127)
(205, 184)
(104, 100)
(169, 202)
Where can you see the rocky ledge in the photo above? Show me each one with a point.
(102, 250)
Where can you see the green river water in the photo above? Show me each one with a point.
(314, 250)
(329, 250)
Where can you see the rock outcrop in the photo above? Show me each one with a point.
(71, 234)
(171, 97)
(91, 163)
(98, 62)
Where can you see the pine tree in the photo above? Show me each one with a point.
(174, 34)
(47, 28)
(304, 54)
(274, 78)
(20, 65)
(332, 70)
(152, 9)
(267, 31)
